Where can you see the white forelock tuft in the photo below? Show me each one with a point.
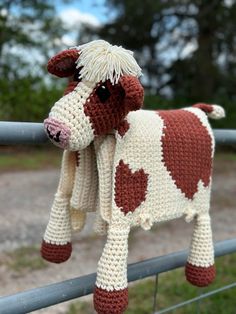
(102, 61)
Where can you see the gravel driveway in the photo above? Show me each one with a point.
(26, 198)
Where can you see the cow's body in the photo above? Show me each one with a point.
(156, 189)
(164, 187)
(134, 168)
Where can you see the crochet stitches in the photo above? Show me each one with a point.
(133, 167)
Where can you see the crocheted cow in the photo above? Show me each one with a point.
(133, 167)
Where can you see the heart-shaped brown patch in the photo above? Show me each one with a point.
(130, 188)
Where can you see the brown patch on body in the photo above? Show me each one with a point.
(187, 150)
(204, 107)
(130, 187)
(200, 276)
(123, 128)
(110, 302)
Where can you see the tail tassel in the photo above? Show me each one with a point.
(213, 111)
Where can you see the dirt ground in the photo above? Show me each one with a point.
(25, 200)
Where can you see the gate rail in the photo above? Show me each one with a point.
(12, 133)
(24, 302)
(38, 298)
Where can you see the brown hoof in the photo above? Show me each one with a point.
(200, 276)
(56, 253)
(110, 302)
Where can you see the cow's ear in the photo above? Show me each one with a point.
(63, 64)
(134, 92)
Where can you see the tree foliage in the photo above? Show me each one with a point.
(186, 48)
(29, 33)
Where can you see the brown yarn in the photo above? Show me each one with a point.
(187, 150)
(63, 64)
(110, 302)
(130, 188)
(205, 107)
(108, 115)
(123, 128)
(56, 253)
(200, 276)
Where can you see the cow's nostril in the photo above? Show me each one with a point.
(49, 134)
(57, 138)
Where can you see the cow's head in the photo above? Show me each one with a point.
(103, 88)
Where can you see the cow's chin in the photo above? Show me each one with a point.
(75, 146)
(60, 145)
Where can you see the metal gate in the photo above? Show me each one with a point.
(38, 298)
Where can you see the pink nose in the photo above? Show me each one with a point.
(58, 132)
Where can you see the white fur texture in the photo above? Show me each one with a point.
(217, 113)
(102, 61)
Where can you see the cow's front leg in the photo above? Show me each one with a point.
(56, 246)
(200, 269)
(111, 291)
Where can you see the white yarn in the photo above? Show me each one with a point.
(101, 61)
(217, 113)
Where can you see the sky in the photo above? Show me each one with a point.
(75, 13)
(93, 9)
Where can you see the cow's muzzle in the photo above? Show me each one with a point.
(57, 132)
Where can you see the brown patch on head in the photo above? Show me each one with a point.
(63, 64)
(105, 107)
(134, 92)
(130, 187)
(109, 104)
(187, 150)
(73, 81)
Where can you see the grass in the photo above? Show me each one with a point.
(26, 258)
(46, 158)
(225, 155)
(31, 159)
(173, 288)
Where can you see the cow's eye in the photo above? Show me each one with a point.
(103, 93)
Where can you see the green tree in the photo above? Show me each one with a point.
(185, 46)
(29, 34)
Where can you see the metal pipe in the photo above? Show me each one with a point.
(12, 133)
(224, 137)
(38, 298)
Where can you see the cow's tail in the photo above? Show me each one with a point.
(213, 111)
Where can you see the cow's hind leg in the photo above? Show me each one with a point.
(200, 269)
(111, 292)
